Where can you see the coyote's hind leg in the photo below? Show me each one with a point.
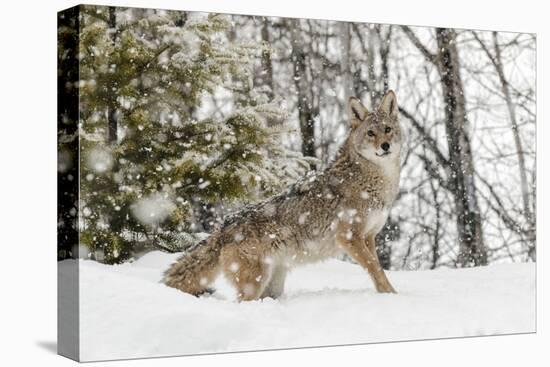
(276, 285)
(249, 276)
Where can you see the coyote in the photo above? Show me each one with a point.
(339, 209)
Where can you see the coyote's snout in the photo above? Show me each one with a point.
(339, 209)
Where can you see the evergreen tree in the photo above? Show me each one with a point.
(152, 143)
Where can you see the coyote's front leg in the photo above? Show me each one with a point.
(349, 238)
(370, 243)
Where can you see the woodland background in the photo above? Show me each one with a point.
(184, 117)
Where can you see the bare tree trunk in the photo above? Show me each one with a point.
(360, 85)
(472, 250)
(345, 65)
(267, 66)
(305, 108)
(496, 60)
(515, 129)
(437, 229)
(384, 54)
(374, 93)
(111, 109)
(390, 232)
(460, 183)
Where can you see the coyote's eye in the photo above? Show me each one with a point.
(370, 133)
(388, 130)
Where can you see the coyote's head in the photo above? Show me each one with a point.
(375, 136)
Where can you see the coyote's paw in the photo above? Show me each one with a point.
(385, 288)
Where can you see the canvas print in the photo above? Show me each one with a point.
(234, 183)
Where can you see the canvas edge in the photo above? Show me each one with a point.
(68, 194)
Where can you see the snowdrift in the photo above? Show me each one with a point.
(127, 313)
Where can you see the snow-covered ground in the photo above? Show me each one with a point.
(127, 313)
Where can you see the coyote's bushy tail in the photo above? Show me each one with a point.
(194, 271)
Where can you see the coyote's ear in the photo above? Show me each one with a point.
(357, 112)
(389, 104)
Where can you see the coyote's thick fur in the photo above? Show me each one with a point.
(341, 208)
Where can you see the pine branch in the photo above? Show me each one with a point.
(144, 66)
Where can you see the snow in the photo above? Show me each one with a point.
(126, 312)
(153, 209)
(100, 160)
